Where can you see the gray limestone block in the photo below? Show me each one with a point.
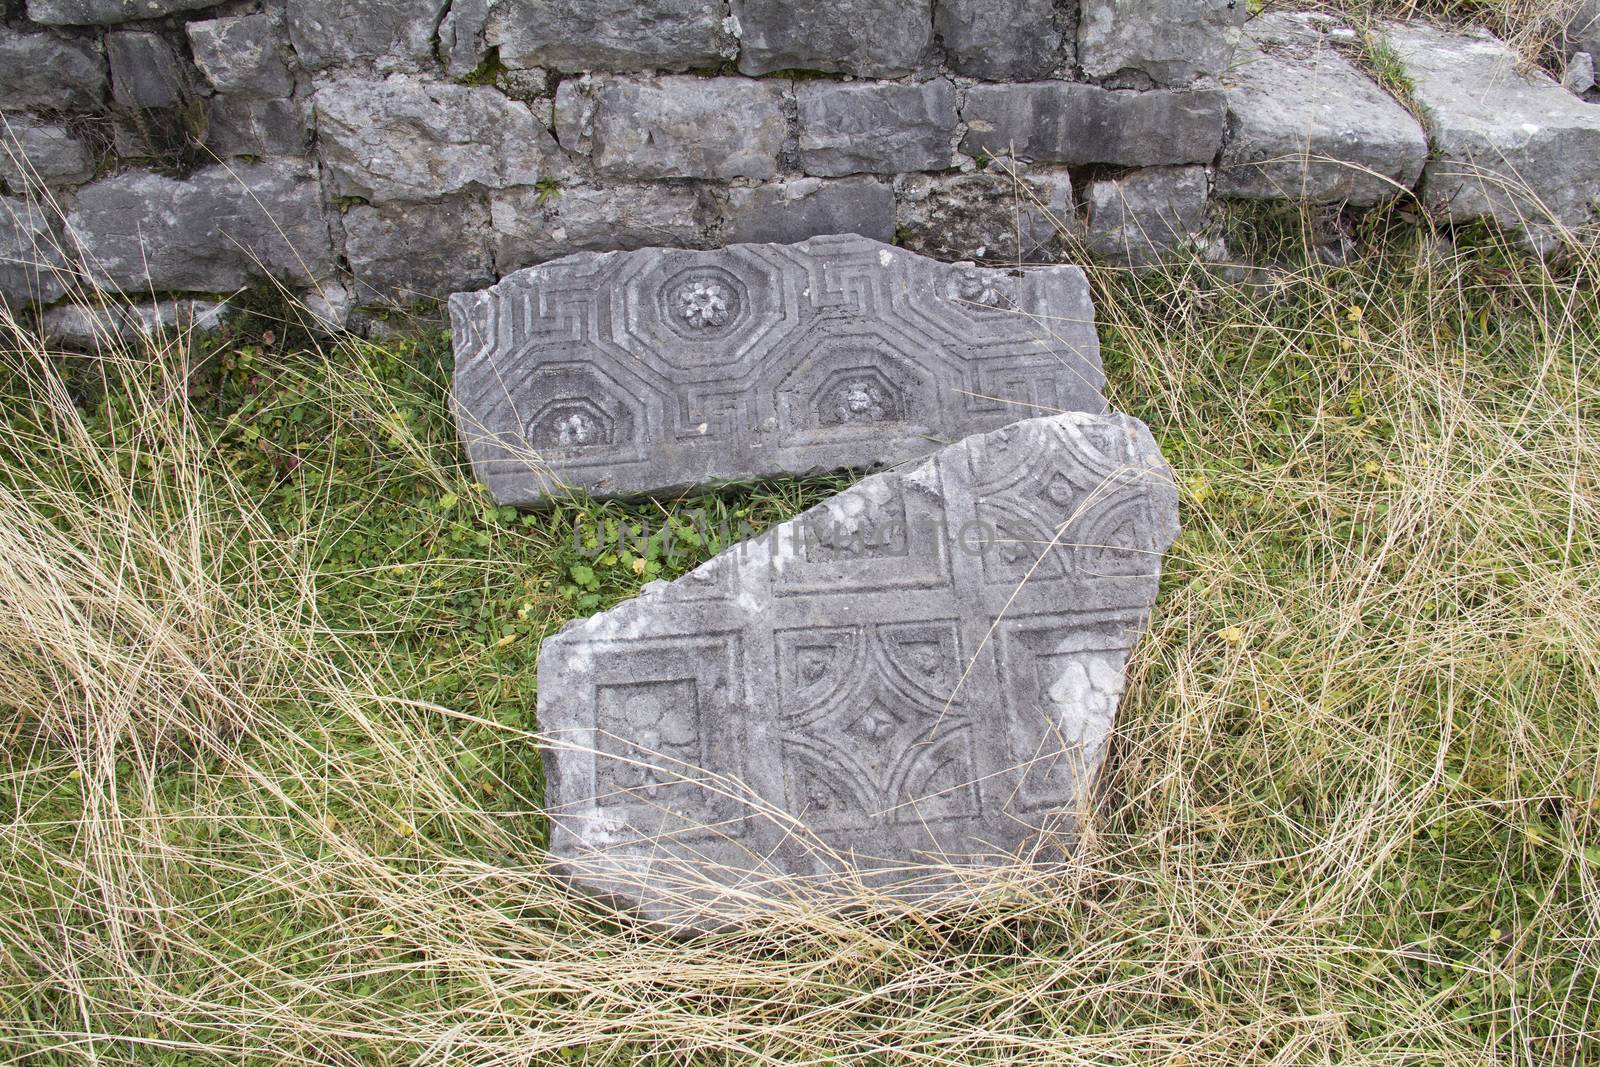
(1305, 124)
(387, 35)
(875, 127)
(409, 138)
(1161, 42)
(463, 44)
(535, 225)
(910, 683)
(1579, 77)
(42, 70)
(30, 255)
(1006, 213)
(674, 127)
(402, 253)
(90, 326)
(34, 153)
(1144, 217)
(793, 210)
(1508, 144)
(868, 38)
(648, 372)
(108, 12)
(1002, 40)
(245, 126)
(220, 228)
(612, 35)
(1065, 122)
(1583, 31)
(145, 70)
(243, 55)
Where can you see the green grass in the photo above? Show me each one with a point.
(270, 791)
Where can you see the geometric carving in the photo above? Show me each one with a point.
(755, 360)
(920, 671)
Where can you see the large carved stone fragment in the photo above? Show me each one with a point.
(654, 371)
(911, 681)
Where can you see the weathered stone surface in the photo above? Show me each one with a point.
(531, 226)
(910, 682)
(410, 252)
(1579, 77)
(1002, 40)
(875, 127)
(616, 35)
(145, 70)
(218, 229)
(29, 254)
(407, 138)
(1143, 217)
(783, 212)
(90, 326)
(388, 35)
(869, 38)
(243, 126)
(1508, 144)
(640, 372)
(1305, 124)
(1160, 42)
(1583, 32)
(1006, 213)
(41, 153)
(463, 42)
(243, 55)
(1063, 122)
(107, 12)
(41, 70)
(674, 127)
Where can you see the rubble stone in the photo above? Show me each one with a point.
(612, 35)
(1508, 144)
(867, 38)
(786, 211)
(41, 70)
(1145, 216)
(1001, 40)
(243, 55)
(674, 127)
(1007, 213)
(217, 230)
(405, 138)
(1305, 124)
(1065, 122)
(1160, 42)
(875, 127)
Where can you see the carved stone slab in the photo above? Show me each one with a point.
(624, 373)
(916, 677)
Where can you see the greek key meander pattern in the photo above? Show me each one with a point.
(841, 349)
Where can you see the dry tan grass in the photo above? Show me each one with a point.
(1533, 27)
(1349, 817)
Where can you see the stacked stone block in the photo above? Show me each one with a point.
(375, 150)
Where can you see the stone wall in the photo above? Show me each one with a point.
(366, 151)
